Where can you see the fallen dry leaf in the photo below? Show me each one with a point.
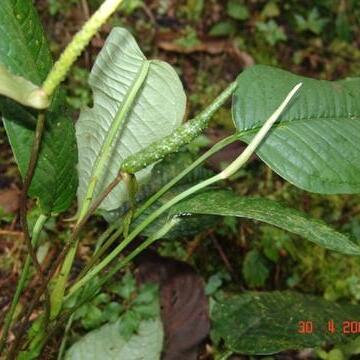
(184, 305)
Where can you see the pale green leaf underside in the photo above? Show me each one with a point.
(158, 109)
(268, 322)
(315, 144)
(226, 203)
(106, 343)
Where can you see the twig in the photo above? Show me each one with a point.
(222, 254)
(40, 125)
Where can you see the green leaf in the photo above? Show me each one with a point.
(237, 11)
(314, 145)
(126, 287)
(23, 47)
(224, 28)
(266, 323)
(254, 269)
(157, 110)
(24, 52)
(106, 343)
(226, 203)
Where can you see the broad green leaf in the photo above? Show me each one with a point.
(269, 322)
(24, 52)
(315, 143)
(226, 203)
(21, 90)
(55, 178)
(157, 110)
(106, 343)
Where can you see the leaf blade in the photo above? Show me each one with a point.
(24, 51)
(263, 323)
(313, 146)
(226, 203)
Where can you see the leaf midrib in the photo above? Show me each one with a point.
(284, 124)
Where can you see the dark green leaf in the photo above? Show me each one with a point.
(129, 324)
(93, 317)
(223, 28)
(226, 203)
(125, 288)
(254, 269)
(112, 311)
(266, 323)
(314, 145)
(24, 51)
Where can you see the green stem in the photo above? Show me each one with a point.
(65, 338)
(22, 280)
(77, 45)
(217, 147)
(67, 314)
(100, 250)
(150, 240)
(229, 171)
(183, 135)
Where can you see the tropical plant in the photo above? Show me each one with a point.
(117, 154)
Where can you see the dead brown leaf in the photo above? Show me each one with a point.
(184, 305)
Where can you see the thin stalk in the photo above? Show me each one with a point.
(57, 294)
(229, 171)
(100, 250)
(35, 149)
(67, 314)
(21, 282)
(58, 261)
(217, 147)
(65, 337)
(78, 44)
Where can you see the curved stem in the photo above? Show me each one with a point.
(119, 229)
(230, 170)
(21, 282)
(217, 147)
(78, 44)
